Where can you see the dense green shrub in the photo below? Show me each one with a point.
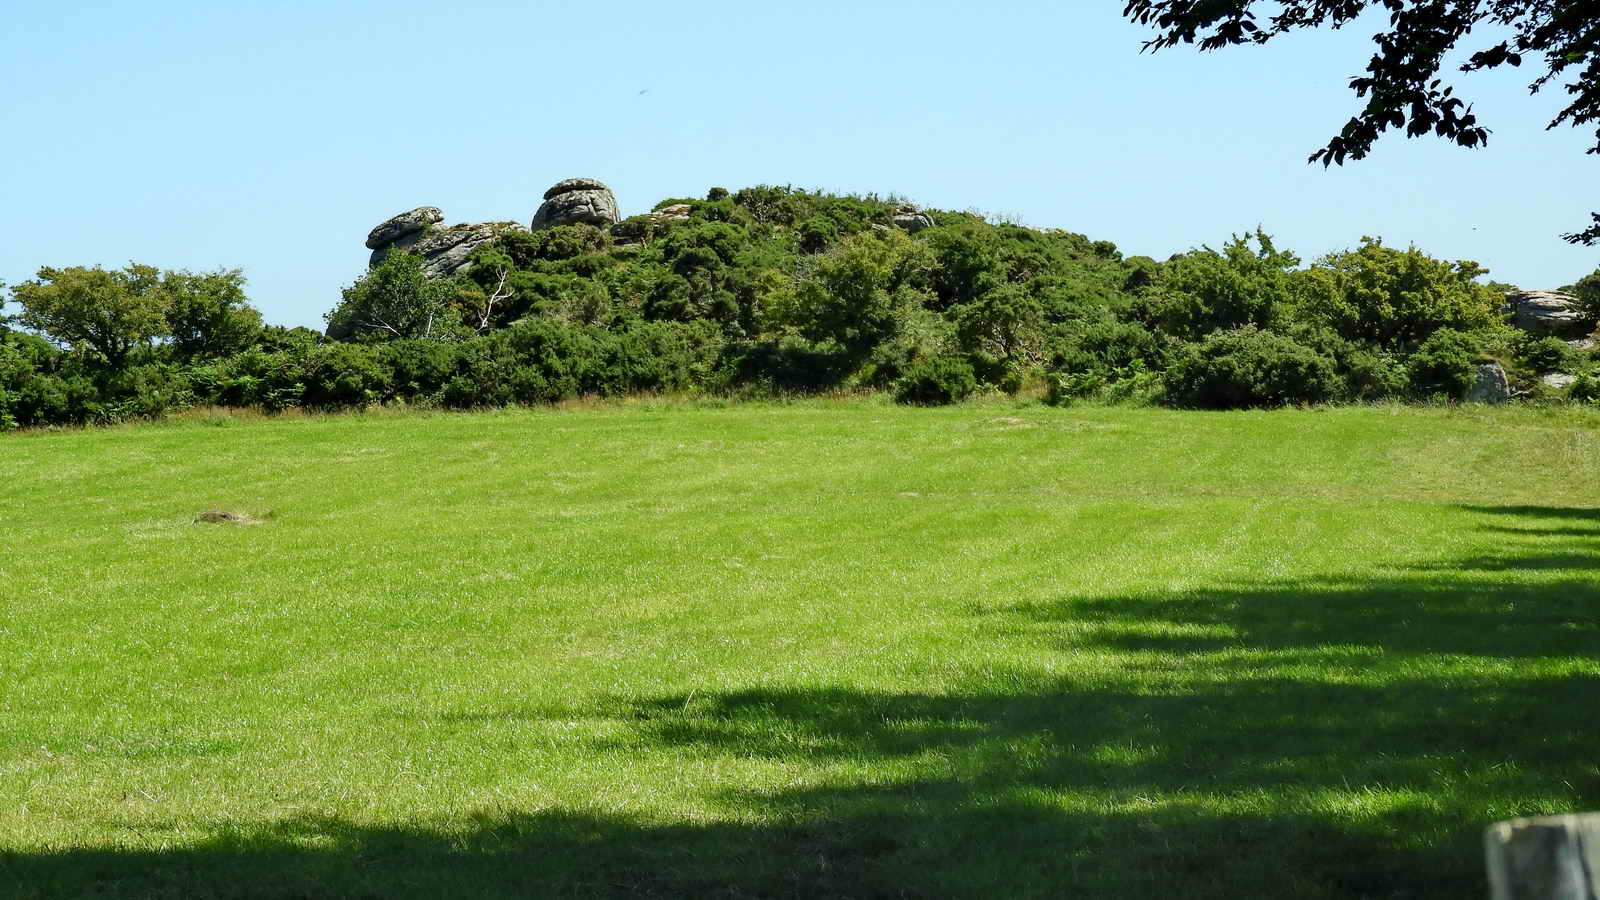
(1395, 298)
(936, 381)
(1206, 290)
(1368, 373)
(967, 262)
(345, 375)
(1585, 390)
(859, 293)
(779, 289)
(148, 390)
(816, 233)
(41, 385)
(1446, 364)
(1545, 354)
(1247, 367)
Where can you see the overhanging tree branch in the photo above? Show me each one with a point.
(1402, 86)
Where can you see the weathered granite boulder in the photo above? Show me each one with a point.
(407, 224)
(1558, 380)
(444, 251)
(577, 200)
(912, 219)
(1549, 312)
(1491, 386)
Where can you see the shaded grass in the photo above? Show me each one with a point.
(820, 649)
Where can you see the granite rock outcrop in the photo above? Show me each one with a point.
(1549, 312)
(577, 201)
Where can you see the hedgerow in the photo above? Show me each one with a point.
(776, 288)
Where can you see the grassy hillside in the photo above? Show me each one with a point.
(825, 649)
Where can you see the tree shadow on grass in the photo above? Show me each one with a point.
(1318, 738)
(1534, 598)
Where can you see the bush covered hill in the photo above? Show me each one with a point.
(774, 289)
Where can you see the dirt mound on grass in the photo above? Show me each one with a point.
(222, 516)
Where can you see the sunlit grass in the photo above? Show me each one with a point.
(827, 648)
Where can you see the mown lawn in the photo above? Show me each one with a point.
(825, 649)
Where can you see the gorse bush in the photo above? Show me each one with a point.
(936, 381)
(1446, 364)
(1545, 354)
(1247, 367)
(777, 289)
(1393, 298)
(1238, 286)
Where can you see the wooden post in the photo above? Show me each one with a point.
(1545, 858)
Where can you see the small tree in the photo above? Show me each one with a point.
(1404, 83)
(94, 311)
(208, 315)
(395, 300)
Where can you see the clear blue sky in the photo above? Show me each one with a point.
(272, 136)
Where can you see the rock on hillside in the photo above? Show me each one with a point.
(912, 219)
(1491, 385)
(403, 226)
(1549, 312)
(444, 251)
(577, 200)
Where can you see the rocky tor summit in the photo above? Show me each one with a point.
(572, 201)
(445, 250)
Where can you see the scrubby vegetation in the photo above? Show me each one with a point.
(773, 289)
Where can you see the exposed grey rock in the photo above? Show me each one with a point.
(675, 211)
(403, 225)
(1549, 312)
(444, 251)
(1558, 380)
(575, 201)
(912, 219)
(569, 185)
(1491, 386)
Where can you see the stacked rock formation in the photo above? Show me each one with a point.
(408, 226)
(577, 201)
(444, 251)
(1549, 312)
(912, 219)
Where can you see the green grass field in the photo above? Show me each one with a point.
(825, 649)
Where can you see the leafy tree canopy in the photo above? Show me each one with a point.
(95, 311)
(396, 300)
(1402, 85)
(208, 314)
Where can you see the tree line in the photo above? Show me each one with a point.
(773, 290)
